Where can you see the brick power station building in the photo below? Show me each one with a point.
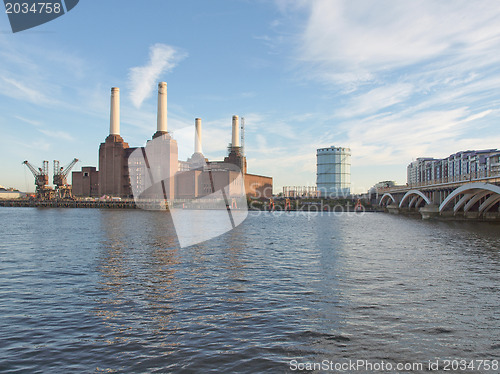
(189, 179)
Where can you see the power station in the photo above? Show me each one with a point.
(121, 171)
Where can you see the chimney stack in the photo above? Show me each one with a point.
(162, 108)
(197, 136)
(114, 122)
(236, 132)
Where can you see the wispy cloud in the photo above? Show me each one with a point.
(61, 135)
(40, 74)
(350, 42)
(406, 79)
(18, 89)
(396, 138)
(29, 121)
(162, 58)
(376, 99)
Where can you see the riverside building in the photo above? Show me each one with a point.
(197, 177)
(460, 166)
(333, 177)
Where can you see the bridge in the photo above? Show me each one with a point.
(469, 198)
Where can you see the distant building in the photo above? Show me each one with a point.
(10, 193)
(120, 171)
(86, 182)
(380, 186)
(464, 165)
(333, 171)
(384, 184)
(300, 192)
(377, 189)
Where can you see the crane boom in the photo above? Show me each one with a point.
(68, 168)
(43, 191)
(60, 173)
(33, 170)
(63, 189)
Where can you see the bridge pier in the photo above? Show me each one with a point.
(393, 209)
(430, 211)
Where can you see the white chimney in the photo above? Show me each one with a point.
(162, 107)
(236, 132)
(197, 136)
(114, 121)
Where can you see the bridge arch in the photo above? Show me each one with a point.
(472, 193)
(488, 203)
(387, 196)
(417, 198)
(463, 200)
(477, 196)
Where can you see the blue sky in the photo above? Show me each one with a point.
(393, 80)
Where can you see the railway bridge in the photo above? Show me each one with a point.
(466, 198)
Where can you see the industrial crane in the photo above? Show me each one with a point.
(43, 191)
(63, 189)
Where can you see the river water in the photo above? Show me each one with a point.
(85, 290)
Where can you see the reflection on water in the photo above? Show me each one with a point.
(103, 290)
(139, 253)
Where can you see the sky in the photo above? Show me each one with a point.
(393, 80)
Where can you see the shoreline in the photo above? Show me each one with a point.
(125, 204)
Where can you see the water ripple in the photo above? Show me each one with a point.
(110, 291)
